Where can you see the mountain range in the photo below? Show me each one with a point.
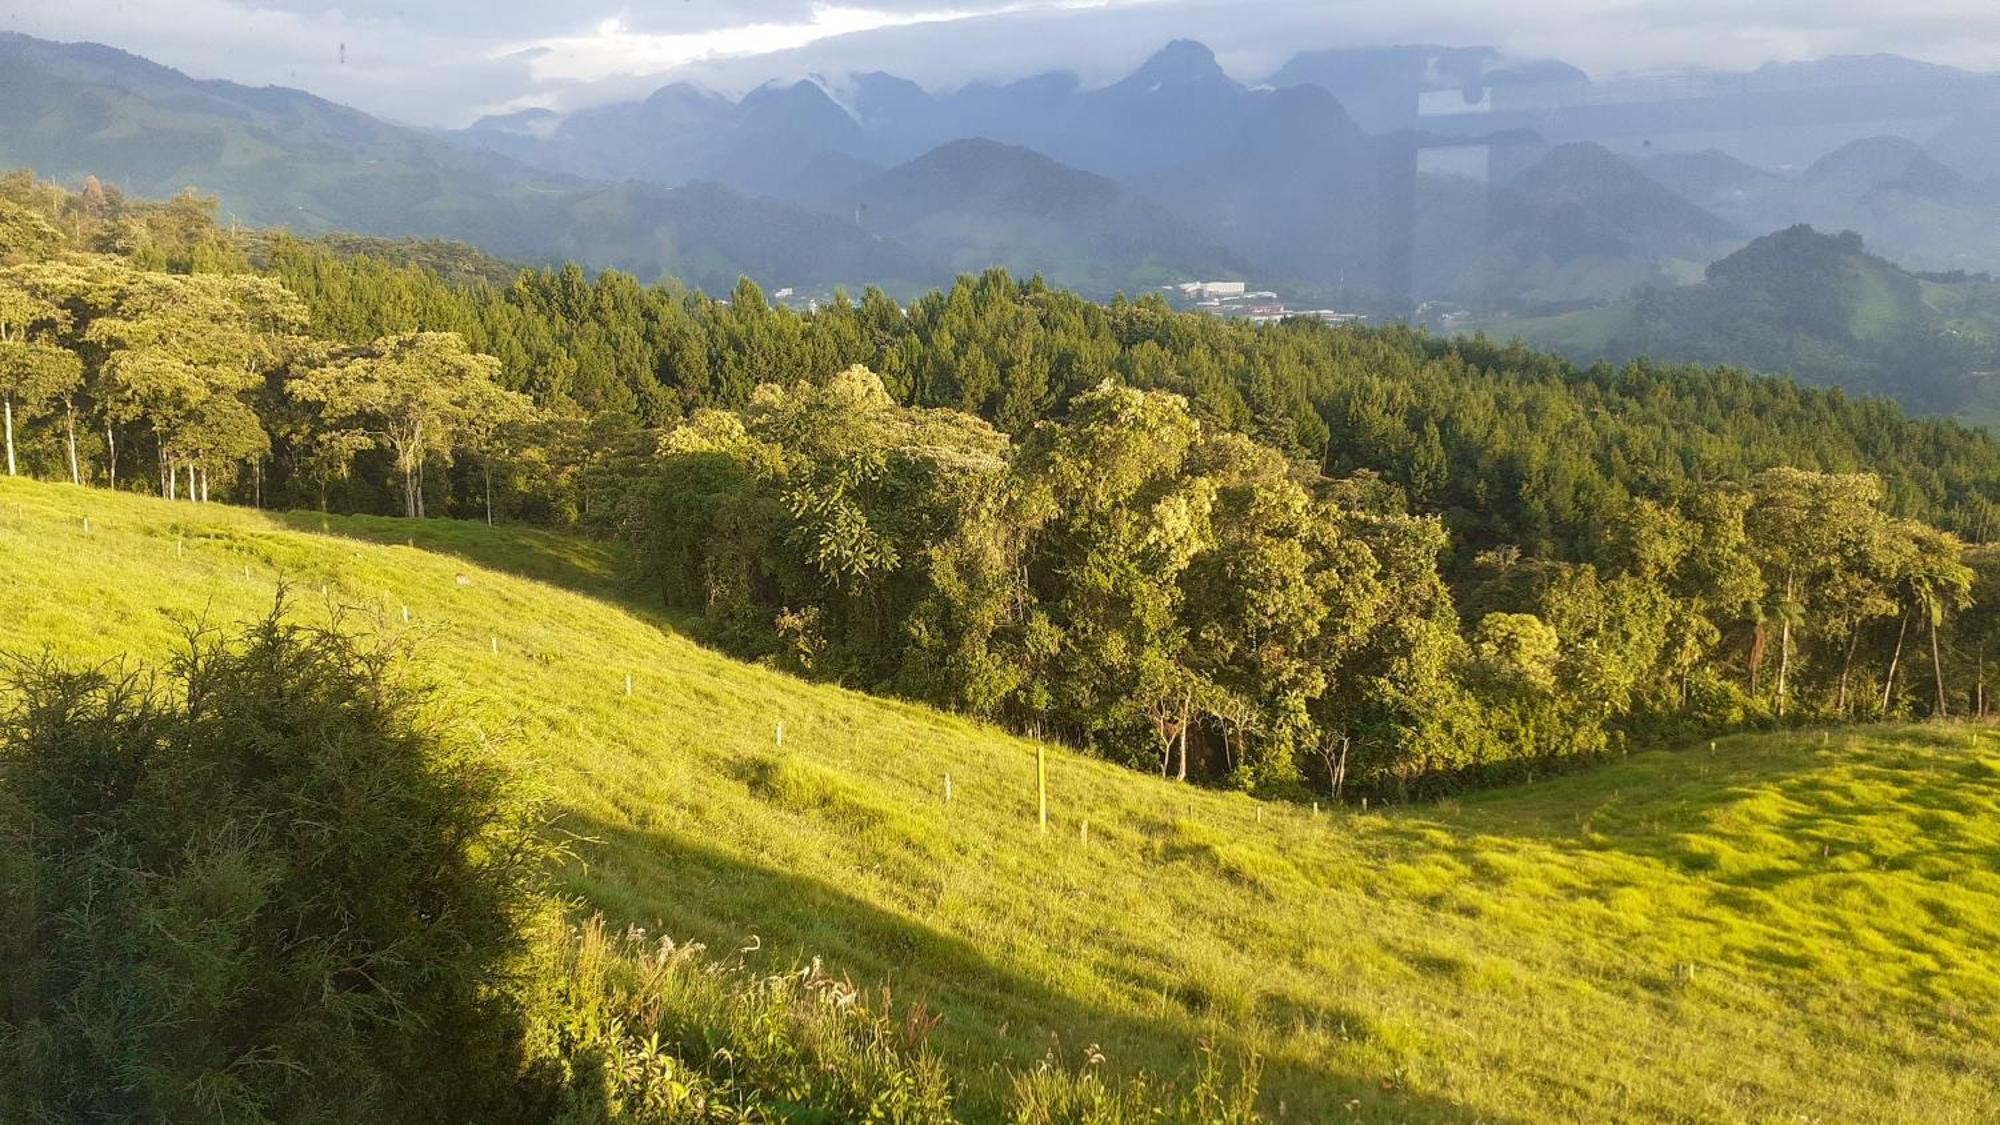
(1388, 174)
(285, 158)
(1420, 171)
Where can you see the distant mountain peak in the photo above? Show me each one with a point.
(681, 93)
(537, 122)
(1883, 161)
(803, 106)
(1182, 62)
(1581, 166)
(804, 92)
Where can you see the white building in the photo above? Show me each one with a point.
(1214, 290)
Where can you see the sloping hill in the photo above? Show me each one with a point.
(1559, 226)
(1778, 927)
(1800, 302)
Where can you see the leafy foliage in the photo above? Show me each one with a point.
(265, 891)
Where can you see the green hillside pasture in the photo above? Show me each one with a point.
(1584, 333)
(1799, 927)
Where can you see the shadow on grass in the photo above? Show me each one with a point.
(994, 1017)
(586, 566)
(595, 568)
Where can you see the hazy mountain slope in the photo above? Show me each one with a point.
(1817, 306)
(1710, 178)
(1403, 965)
(1576, 224)
(1296, 184)
(281, 157)
(980, 203)
(1281, 178)
(682, 134)
(1892, 191)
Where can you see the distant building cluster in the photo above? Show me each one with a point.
(1214, 290)
(1235, 300)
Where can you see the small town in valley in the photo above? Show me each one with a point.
(1235, 300)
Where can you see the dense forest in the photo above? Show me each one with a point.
(1352, 560)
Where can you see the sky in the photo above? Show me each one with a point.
(448, 62)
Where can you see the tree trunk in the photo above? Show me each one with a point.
(170, 475)
(410, 493)
(9, 400)
(1187, 702)
(1340, 770)
(1979, 685)
(1937, 664)
(1895, 658)
(204, 484)
(1847, 666)
(110, 457)
(1755, 658)
(69, 426)
(1785, 648)
(487, 468)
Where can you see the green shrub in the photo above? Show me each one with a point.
(267, 888)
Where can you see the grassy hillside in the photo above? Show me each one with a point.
(1797, 927)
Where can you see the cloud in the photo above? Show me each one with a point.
(615, 48)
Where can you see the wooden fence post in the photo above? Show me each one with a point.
(1042, 783)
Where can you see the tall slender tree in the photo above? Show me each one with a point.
(34, 373)
(419, 394)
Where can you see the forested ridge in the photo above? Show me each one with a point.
(1288, 557)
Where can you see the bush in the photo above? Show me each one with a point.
(265, 889)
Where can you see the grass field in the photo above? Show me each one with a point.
(1582, 335)
(1800, 927)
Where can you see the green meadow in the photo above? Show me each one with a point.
(1788, 927)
